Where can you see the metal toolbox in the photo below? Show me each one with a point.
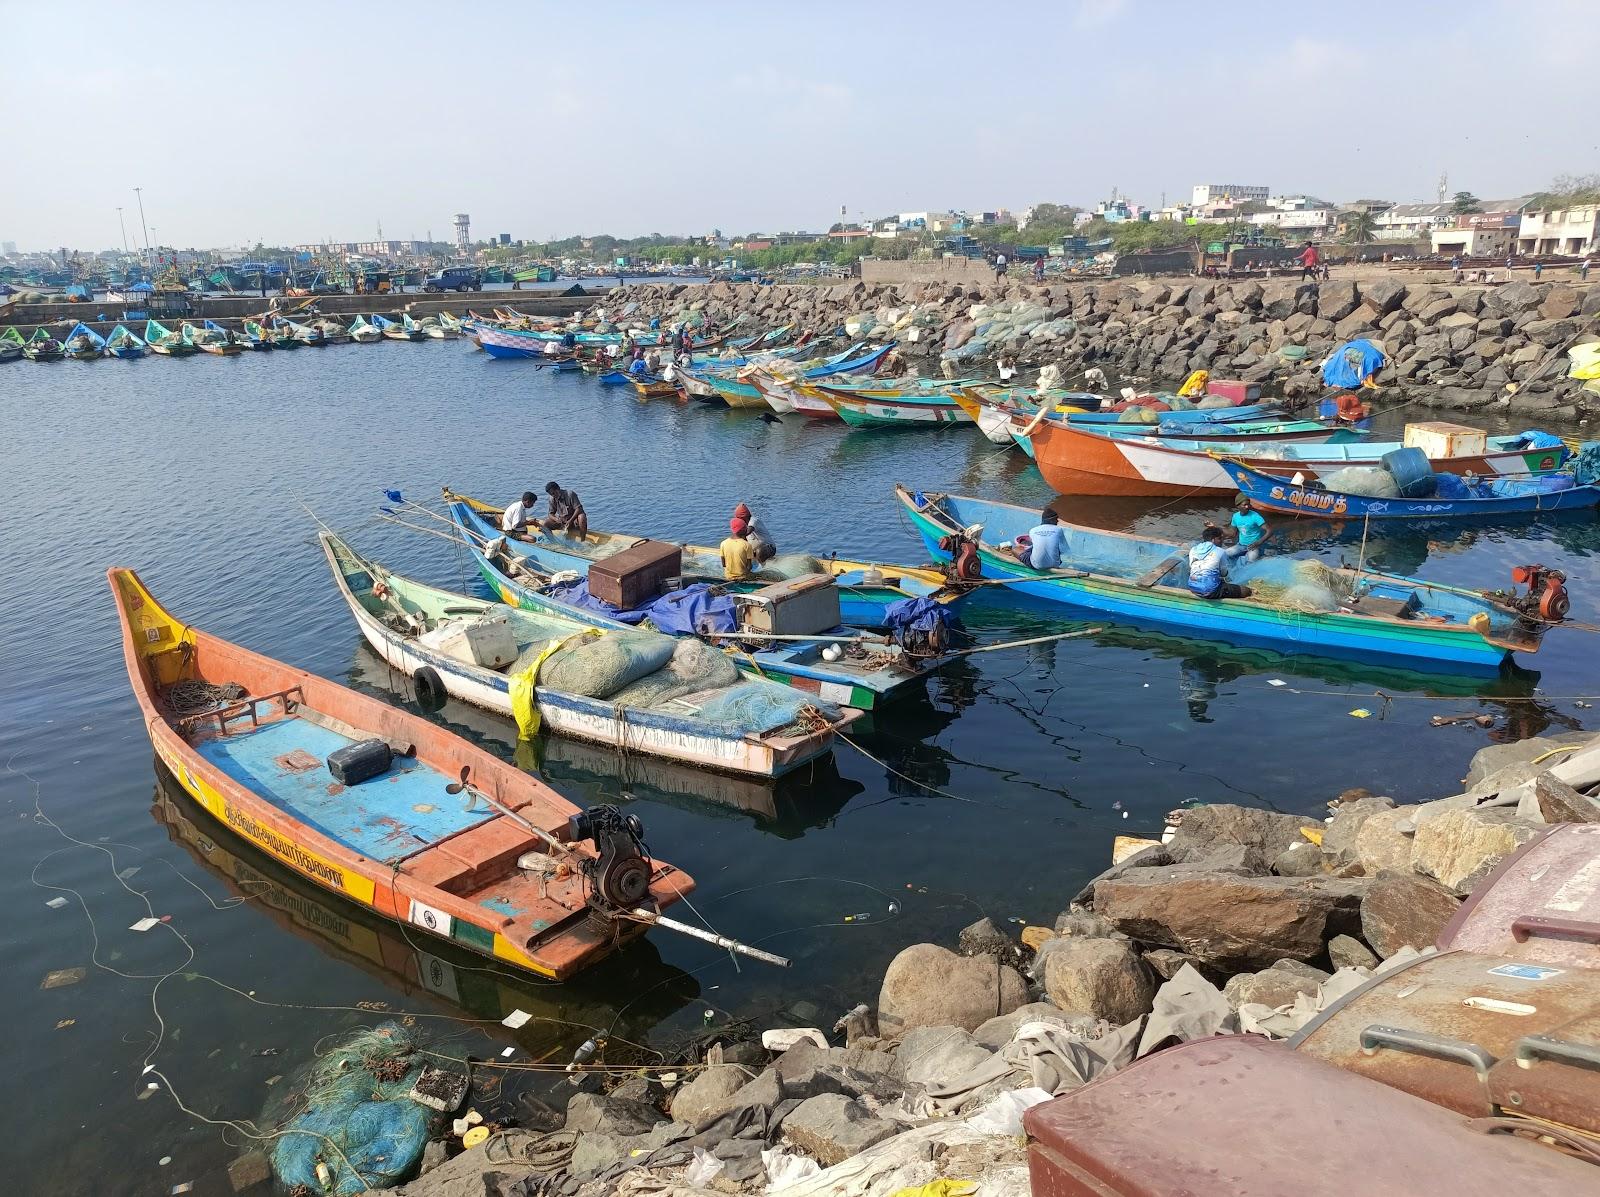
(803, 606)
(1240, 1116)
(637, 574)
(1541, 905)
(1476, 1034)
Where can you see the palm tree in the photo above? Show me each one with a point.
(1359, 227)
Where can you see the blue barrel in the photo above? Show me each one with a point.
(1412, 472)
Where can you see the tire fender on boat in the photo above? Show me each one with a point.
(431, 694)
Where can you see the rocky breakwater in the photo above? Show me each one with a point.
(1244, 921)
(1459, 348)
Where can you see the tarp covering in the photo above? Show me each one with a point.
(687, 612)
(1352, 363)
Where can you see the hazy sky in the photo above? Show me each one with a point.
(302, 122)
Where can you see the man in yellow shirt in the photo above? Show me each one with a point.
(737, 555)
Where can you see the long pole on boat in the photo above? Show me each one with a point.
(656, 919)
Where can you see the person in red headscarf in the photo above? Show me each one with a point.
(762, 546)
(737, 556)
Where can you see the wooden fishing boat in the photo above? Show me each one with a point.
(1083, 460)
(333, 333)
(850, 682)
(735, 391)
(42, 347)
(305, 334)
(398, 617)
(1496, 497)
(451, 326)
(83, 343)
(913, 404)
(11, 344)
(866, 588)
(278, 337)
(995, 410)
(365, 333)
(396, 331)
(651, 386)
(209, 341)
(1195, 468)
(444, 838)
(164, 341)
(123, 343)
(1380, 617)
(237, 336)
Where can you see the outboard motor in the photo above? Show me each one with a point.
(1546, 598)
(619, 876)
(964, 565)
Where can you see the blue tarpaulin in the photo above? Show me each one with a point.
(917, 615)
(1352, 364)
(687, 612)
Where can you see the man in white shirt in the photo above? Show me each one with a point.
(519, 515)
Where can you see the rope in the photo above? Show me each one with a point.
(191, 697)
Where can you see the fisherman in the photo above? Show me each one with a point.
(1455, 267)
(1208, 568)
(999, 267)
(737, 556)
(552, 349)
(569, 340)
(762, 547)
(1538, 270)
(1308, 262)
(566, 512)
(1007, 366)
(519, 516)
(652, 362)
(1038, 270)
(1583, 270)
(1249, 529)
(1046, 540)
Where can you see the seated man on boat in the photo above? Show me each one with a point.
(737, 556)
(1249, 529)
(1208, 568)
(566, 512)
(762, 547)
(1041, 547)
(637, 367)
(519, 516)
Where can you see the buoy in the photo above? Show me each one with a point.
(832, 652)
(474, 1136)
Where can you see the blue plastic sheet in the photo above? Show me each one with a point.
(1539, 484)
(694, 610)
(1535, 439)
(1352, 364)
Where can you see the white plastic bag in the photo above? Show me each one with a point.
(704, 1169)
(1003, 1115)
(785, 1168)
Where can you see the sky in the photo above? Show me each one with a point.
(246, 123)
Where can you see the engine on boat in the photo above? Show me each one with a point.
(619, 876)
(1546, 598)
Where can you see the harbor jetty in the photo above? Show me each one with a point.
(1276, 932)
(1458, 348)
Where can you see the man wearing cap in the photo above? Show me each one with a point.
(762, 547)
(737, 556)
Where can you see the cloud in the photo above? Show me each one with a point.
(771, 83)
(1096, 14)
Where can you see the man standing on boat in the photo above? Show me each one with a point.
(519, 516)
(1251, 530)
(1208, 568)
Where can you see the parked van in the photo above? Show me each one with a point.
(454, 278)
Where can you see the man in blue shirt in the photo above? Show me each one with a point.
(1208, 568)
(1047, 540)
(1250, 530)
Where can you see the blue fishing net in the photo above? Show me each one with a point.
(755, 706)
(359, 1120)
(598, 668)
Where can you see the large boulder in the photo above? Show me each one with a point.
(1336, 299)
(1383, 296)
(1339, 838)
(597, 1113)
(1460, 846)
(709, 1095)
(1346, 951)
(1275, 986)
(1518, 297)
(1383, 841)
(1560, 303)
(1495, 757)
(1400, 910)
(1101, 977)
(1230, 921)
(929, 986)
(832, 1127)
(1203, 829)
(1557, 802)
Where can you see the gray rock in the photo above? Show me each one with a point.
(1299, 860)
(646, 1090)
(998, 1031)
(1401, 910)
(1383, 296)
(1346, 951)
(1383, 841)
(1270, 987)
(927, 986)
(1490, 760)
(1165, 962)
(1205, 828)
(984, 938)
(1339, 838)
(610, 1115)
(935, 1057)
(1229, 921)
(594, 1151)
(1460, 846)
(1154, 856)
(1557, 802)
(832, 1128)
(434, 1154)
(1084, 924)
(710, 1094)
(1104, 978)
(253, 1168)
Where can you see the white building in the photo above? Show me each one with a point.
(1574, 231)
(1482, 241)
(1307, 222)
(1210, 193)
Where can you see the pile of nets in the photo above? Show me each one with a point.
(358, 1120)
(1302, 585)
(694, 665)
(1372, 482)
(785, 566)
(753, 707)
(598, 667)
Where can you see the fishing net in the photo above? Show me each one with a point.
(1372, 482)
(598, 668)
(695, 665)
(1305, 585)
(755, 706)
(790, 565)
(359, 1120)
(1138, 415)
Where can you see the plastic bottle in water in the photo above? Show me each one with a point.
(584, 1054)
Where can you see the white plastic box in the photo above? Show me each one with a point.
(483, 640)
(1438, 439)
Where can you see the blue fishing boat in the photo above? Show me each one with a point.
(1494, 497)
(83, 343)
(1221, 415)
(862, 681)
(123, 343)
(1296, 605)
(866, 589)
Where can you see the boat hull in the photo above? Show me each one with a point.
(1268, 493)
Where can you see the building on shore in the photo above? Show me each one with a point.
(1417, 222)
(1574, 231)
(1206, 194)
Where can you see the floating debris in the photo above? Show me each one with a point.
(63, 976)
(144, 924)
(516, 1019)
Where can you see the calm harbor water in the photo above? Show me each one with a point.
(194, 471)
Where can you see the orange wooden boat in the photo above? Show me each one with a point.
(447, 838)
